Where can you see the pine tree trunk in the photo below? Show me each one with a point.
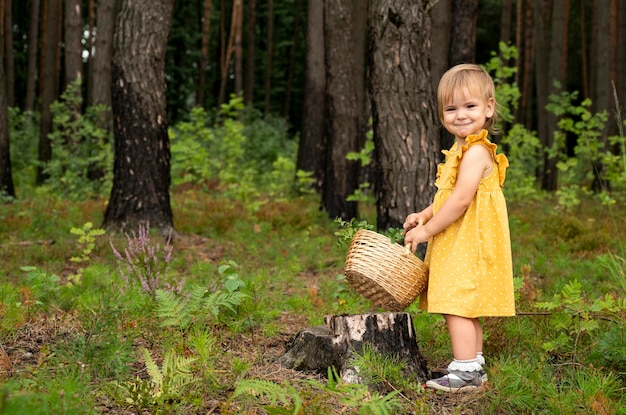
(311, 148)
(6, 179)
(204, 52)
(341, 175)
(140, 194)
(463, 32)
(33, 40)
(49, 78)
(8, 53)
(269, 56)
(248, 93)
(73, 36)
(406, 136)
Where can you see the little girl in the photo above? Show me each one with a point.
(466, 226)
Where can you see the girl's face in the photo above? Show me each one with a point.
(466, 114)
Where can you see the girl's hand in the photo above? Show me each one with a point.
(413, 220)
(415, 236)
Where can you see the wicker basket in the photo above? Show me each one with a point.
(387, 274)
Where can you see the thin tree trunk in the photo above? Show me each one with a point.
(269, 56)
(140, 194)
(505, 25)
(341, 176)
(103, 57)
(557, 67)
(73, 37)
(248, 93)
(602, 64)
(405, 124)
(463, 32)
(311, 149)
(91, 45)
(8, 54)
(33, 40)
(293, 56)
(6, 179)
(441, 16)
(204, 52)
(621, 61)
(238, 22)
(49, 79)
(584, 27)
(227, 55)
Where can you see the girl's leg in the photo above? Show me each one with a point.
(464, 372)
(463, 336)
(479, 335)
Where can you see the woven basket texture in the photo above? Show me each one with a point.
(387, 274)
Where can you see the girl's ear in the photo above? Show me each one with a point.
(491, 107)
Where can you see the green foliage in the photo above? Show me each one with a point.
(507, 92)
(200, 304)
(286, 398)
(240, 153)
(575, 320)
(166, 385)
(388, 373)
(364, 157)
(86, 243)
(24, 135)
(347, 230)
(82, 155)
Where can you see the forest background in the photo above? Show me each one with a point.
(252, 115)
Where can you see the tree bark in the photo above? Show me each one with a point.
(441, 16)
(33, 40)
(406, 137)
(269, 56)
(602, 88)
(621, 61)
(6, 179)
(204, 52)
(293, 57)
(102, 59)
(463, 32)
(49, 78)
(140, 194)
(341, 175)
(248, 93)
(542, 85)
(557, 67)
(8, 53)
(73, 37)
(238, 60)
(311, 148)
(334, 344)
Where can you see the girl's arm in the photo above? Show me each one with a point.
(475, 162)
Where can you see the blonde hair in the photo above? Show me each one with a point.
(477, 82)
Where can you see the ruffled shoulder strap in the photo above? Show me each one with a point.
(454, 155)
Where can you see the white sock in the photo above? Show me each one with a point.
(469, 365)
(480, 358)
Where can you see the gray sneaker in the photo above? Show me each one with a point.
(462, 382)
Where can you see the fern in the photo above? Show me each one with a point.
(173, 310)
(176, 311)
(171, 380)
(273, 392)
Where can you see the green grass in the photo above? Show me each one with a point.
(78, 348)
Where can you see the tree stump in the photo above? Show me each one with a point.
(320, 347)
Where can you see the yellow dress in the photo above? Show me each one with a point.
(470, 266)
